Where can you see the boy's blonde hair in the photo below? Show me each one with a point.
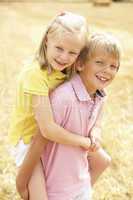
(103, 41)
(65, 22)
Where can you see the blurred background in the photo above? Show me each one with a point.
(22, 24)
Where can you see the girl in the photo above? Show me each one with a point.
(64, 39)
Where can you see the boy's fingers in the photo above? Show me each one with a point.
(25, 195)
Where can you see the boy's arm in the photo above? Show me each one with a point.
(96, 130)
(49, 129)
(95, 133)
(29, 163)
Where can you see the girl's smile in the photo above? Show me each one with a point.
(62, 64)
(63, 50)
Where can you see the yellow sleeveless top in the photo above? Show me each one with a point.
(31, 81)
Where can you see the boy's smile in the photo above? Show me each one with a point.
(99, 70)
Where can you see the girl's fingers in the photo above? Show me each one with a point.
(93, 141)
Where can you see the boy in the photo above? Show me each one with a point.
(77, 107)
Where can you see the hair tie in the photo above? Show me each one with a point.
(62, 13)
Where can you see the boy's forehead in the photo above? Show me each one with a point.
(104, 56)
(105, 53)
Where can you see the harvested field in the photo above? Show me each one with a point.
(22, 26)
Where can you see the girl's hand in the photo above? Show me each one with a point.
(87, 143)
(95, 144)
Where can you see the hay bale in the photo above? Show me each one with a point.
(102, 2)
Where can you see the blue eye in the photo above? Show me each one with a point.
(59, 48)
(114, 67)
(73, 53)
(99, 62)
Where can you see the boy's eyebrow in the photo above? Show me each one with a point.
(74, 51)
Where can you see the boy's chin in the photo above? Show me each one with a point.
(101, 88)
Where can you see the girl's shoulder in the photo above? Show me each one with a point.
(32, 71)
(33, 80)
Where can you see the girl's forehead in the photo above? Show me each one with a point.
(67, 38)
(61, 34)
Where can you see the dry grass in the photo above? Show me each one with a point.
(22, 26)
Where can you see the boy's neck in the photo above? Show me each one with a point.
(91, 93)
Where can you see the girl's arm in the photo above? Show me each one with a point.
(52, 131)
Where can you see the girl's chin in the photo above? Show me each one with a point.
(59, 68)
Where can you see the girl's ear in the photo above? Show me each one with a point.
(46, 40)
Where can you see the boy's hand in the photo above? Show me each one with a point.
(22, 189)
(24, 194)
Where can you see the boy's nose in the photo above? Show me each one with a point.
(107, 69)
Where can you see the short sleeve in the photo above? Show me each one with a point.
(35, 82)
(61, 105)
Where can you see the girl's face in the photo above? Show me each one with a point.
(99, 71)
(63, 50)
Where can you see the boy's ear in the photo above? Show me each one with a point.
(79, 66)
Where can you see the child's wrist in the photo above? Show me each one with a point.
(21, 183)
(86, 143)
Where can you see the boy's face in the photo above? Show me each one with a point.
(99, 70)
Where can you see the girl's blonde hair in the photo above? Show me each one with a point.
(62, 23)
(103, 41)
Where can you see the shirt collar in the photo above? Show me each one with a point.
(56, 74)
(81, 91)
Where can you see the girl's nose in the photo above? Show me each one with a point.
(64, 57)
